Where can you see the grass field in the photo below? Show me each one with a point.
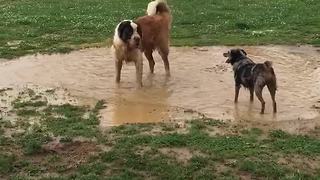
(47, 26)
(43, 140)
(57, 142)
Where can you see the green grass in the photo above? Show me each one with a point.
(68, 120)
(202, 149)
(32, 140)
(6, 163)
(48, 26)
(253, 155)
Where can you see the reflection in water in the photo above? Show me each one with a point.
(147, 105)
(200, 81)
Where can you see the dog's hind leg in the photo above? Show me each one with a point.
(149, 56)
(258, 90)
(118, 64)
(139, 71)
(164, 52)
(272, 90)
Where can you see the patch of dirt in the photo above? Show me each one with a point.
(53, 96)
(218, 131)
(182, 155)
(245, 176)
(315, 133)
(218, 68)
(29, 92)
(304, 164)
(181, 127)
(156, 130)
(143, 150)
(75, 148)
(71, 155)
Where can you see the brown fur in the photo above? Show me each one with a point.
(155, 35)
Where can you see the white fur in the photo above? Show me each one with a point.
(116, 39)
(152, 7)
(135, 30)
(122, 53)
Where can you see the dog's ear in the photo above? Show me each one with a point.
(243, 52)
(125, 31)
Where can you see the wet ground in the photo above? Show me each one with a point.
(201, 84)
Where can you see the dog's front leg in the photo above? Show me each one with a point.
(237, 89)
(139, 71)
(251, 94)
(118, 64)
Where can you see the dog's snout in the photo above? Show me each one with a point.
(136, 39)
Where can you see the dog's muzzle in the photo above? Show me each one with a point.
(227, 55)
(137, 41)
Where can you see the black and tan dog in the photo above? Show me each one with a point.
(252, 76)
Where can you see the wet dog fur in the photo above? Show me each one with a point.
(127, 47)
(252, 76)
(155, 27)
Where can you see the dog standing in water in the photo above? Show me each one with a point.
(127, 47)
(146, 34)
(252, 76)
(155, 27)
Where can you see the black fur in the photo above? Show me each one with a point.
(252, 76)
(242, 72)
(236, 55)
(244, 76)
(125, 31)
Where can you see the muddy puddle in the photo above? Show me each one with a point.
(201, 84)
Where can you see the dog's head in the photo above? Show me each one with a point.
(129, 33)
(234, 55)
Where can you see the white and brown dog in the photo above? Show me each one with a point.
(146, 34)
(127, 47)
(155, 27)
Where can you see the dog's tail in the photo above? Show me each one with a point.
(268, 65)
(158, 7)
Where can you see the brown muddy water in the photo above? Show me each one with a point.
(201, 84)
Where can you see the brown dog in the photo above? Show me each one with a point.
(155, 27)
(252, 76)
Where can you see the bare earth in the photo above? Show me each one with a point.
(201, 84)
